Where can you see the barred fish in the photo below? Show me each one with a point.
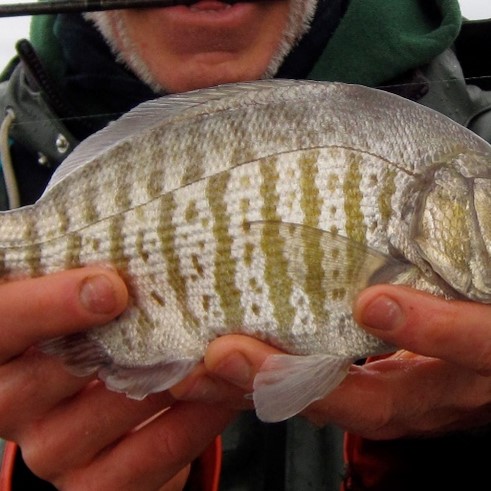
(263, 209)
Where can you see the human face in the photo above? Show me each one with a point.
(186, 47)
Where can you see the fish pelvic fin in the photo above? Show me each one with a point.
(287, 384)
(138, 382)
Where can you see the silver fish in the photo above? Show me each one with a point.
(263, 209)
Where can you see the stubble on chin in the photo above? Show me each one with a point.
(113, 28)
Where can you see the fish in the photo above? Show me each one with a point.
(258, 208)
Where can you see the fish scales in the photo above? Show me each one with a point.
(188, 243)
(290, 211)
(261, 209)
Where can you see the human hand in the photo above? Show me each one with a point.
(447, 386)
(72, 431)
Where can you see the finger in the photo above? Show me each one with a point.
(227, 375)
(237, 359)
(408, 397)
(375, 393)
(203, 386)
(456, 331)
(57, 304)
(102, 417)
(31, 385)
(151, 456)
(178, 482)
(404, 395)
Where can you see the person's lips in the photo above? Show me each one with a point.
(209, 6)
(214, 13)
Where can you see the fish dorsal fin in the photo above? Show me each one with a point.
(156, 112)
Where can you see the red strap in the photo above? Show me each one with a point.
(368, 463)
(365, 467)
(7, 469)
(210, 462)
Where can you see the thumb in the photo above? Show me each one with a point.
(455, 331)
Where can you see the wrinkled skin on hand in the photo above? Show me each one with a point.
(446, 386)
(72, 431)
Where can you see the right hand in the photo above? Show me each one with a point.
(72, 431)
(437, 382)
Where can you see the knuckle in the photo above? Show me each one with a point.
(173, 447)
(43, 451)
(35, 456)
(382, 423)
(169, 448)
(52, 453)
(19, 381)
(77, 480)
(380, 427)
(482, 361)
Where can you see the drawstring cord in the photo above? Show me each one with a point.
(6, 160)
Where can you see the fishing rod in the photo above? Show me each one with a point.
(77, 6)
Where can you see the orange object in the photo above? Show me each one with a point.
(8, 463)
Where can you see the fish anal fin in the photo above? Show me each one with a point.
(287, 384)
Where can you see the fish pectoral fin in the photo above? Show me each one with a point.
(138, 382)
(80, 355)
(287, 384)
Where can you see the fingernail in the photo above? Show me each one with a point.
(382, 313)
(235, 369)
(97, 294)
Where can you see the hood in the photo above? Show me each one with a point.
(379, 40)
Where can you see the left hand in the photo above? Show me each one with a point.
(446, 386)
(72, 431)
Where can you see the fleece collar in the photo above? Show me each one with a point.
(379, 40)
